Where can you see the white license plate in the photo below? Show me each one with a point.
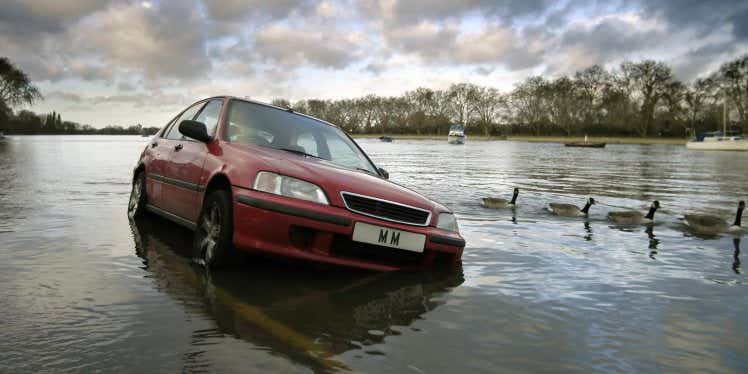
(387, 237)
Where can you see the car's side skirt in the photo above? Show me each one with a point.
(176, 182)
(172, 217)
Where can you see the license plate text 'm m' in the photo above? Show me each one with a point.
(388, 237)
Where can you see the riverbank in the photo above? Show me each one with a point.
(544, 139)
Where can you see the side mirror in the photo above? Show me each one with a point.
(195, 130)
(383, 173)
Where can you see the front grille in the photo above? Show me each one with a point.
(386, 210)
(344, 247)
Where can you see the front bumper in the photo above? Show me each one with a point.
(304, 230)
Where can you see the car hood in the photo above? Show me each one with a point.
(335, 179)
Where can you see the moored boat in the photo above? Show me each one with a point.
(456, 134)
(718, 141)
(586, 143)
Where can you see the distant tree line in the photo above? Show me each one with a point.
(635, 99)
(27, 122)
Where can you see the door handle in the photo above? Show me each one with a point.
(178, 147)
(154, 144)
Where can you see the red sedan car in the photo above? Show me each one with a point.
(247, 176)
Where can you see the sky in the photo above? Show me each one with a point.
(105, 62)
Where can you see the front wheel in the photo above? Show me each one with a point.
(136, 205)
(215, 230)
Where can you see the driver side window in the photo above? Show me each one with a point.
(209, 115)
(174, 133)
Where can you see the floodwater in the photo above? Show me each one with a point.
(82, 289)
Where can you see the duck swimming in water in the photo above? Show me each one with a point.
(633, 217)
(499, 203)
(569, 210)
(709, 224)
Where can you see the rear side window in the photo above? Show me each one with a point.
(210, 114)
(187, 114)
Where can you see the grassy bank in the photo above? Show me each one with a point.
(544, 139)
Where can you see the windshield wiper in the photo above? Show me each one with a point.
(298, 152)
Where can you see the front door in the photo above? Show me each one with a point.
(171, 187)
(185, 167)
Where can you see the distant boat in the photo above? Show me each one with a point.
(386, 139)
(456, 134)
(585, 143)
(719, 140)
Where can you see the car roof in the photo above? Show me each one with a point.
(289, 110)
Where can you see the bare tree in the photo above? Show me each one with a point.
(645, 82)
(672, 108)
(591, 83)
(566, 104)
(528, 102)
(733, 77)
(489, 103)
(462, 98)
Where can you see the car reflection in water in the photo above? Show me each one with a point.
(308, 315)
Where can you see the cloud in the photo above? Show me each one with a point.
(494, 44)
(125, 87)
(26, 19)
(610, 39)
(240, 10)
(425, 39)
(295, 47)
(400, 12)
(702, 15)
(163, 41)
(64, 96)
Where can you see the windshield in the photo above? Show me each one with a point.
(250, 123)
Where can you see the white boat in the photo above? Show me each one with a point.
(718, 141)
(456, 134)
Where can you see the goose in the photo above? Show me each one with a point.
(499, 203)
(709, 224)
(633, 217)
(569, 210)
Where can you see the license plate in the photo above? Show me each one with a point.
(387, 237)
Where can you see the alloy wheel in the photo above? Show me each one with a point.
(211, 227)
(135, 194)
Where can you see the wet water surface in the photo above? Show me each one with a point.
(83, 289)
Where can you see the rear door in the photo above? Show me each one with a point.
(185, 165)
(159, 152)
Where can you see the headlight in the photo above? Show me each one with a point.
(290, 187)
(447, 221)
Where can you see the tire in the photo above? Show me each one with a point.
(138, 199)
(215, 230)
